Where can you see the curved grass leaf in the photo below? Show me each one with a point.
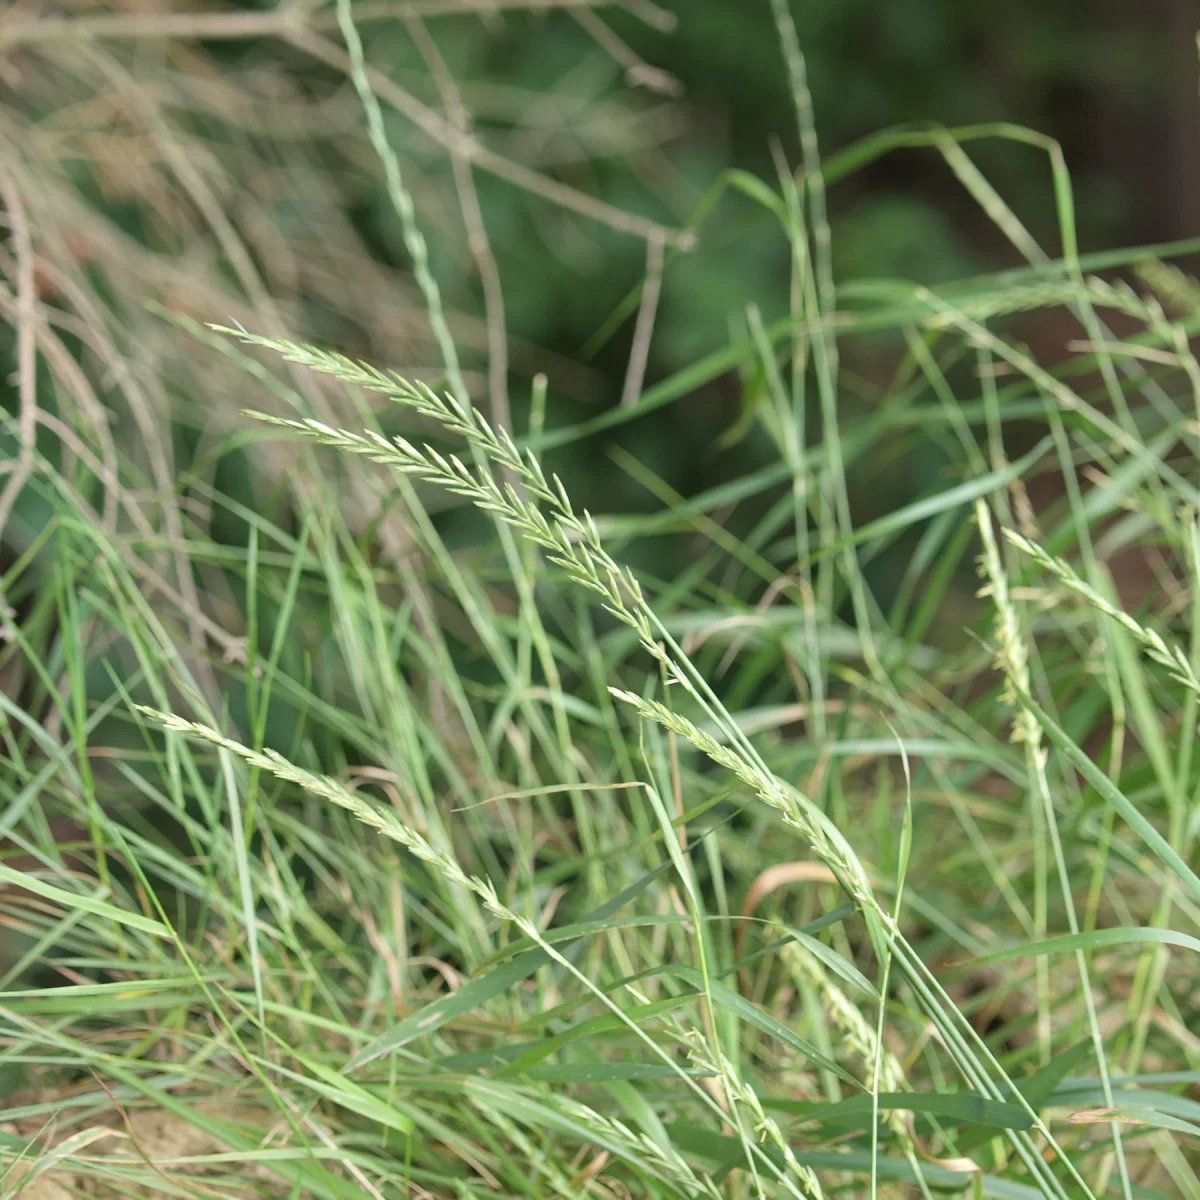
(344, 1092)
(921, 510)
(1136, 1116)
(962, 1108)
(1121, 936)
(1038, 1090)
(841, 967)
(515, 1104)
(1146, 1099)
(1114, 796)
(450, 1007)
(73, 901)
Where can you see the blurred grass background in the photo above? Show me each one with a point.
(155, 138)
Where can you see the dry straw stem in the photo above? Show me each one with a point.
(26, 314)
(443, 133)
(477, 236)
(638, 72)
(643, 330)
(291, 25)
(236, 26)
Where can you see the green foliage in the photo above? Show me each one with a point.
(400, 805)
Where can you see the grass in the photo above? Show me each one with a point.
(421, 840)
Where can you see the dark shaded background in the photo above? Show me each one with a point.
(1114, 82)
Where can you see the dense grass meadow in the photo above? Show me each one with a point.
(756, 756)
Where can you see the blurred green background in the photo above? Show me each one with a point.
(1115, 83)
(642, 105)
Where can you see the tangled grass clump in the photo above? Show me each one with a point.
(426, 836)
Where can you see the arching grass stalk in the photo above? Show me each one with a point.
(573, 543)
(664, 1163)
(1014, 660)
